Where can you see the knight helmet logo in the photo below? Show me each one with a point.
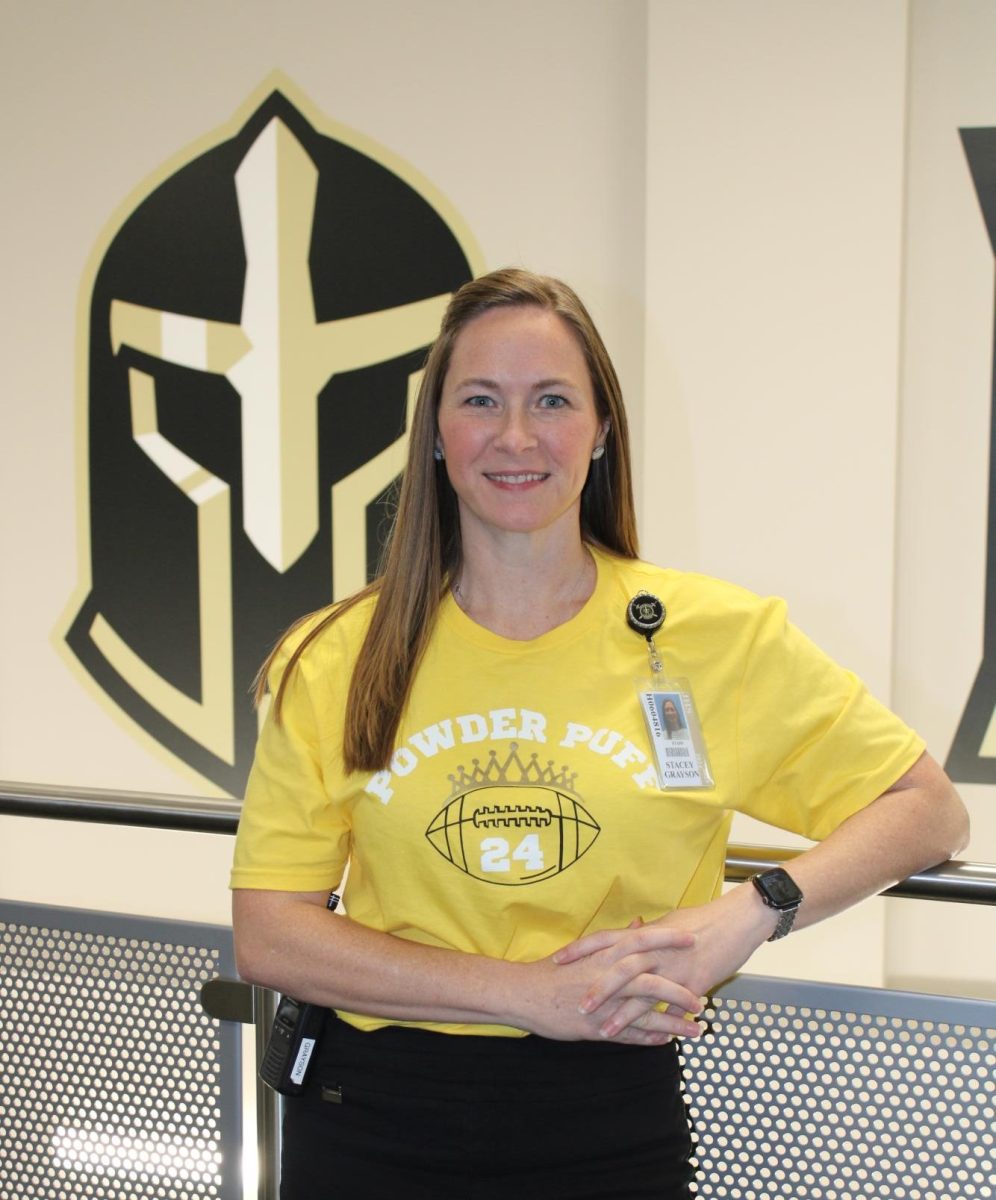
(256, 330)
(972, 758)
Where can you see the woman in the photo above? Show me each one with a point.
(466, 732)
(674, 726)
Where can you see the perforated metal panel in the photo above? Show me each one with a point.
(114, 1084)
(806, 1091)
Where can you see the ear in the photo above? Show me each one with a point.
(606, 426)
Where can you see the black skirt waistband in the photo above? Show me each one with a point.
(464, 1056)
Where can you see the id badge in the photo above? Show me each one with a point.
(675, 734)
(668, 707)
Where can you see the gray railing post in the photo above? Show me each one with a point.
(267, 1101)
(233, 1000)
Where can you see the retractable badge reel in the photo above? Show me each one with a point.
(668, 707)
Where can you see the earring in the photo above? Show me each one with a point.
(438, 454)
(598, 452)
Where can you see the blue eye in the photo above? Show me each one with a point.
(552, 400)
(478, 401)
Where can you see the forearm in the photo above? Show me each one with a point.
(290, 942)
(918, 823)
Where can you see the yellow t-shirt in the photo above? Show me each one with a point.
(522, 807)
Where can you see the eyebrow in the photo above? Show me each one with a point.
(495, 386)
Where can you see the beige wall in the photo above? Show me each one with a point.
(723, 182)
(944, 470)
(773, 308)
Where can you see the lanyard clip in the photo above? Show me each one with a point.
(645, 614)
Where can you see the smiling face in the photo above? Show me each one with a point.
(671, 718)
(517, 423)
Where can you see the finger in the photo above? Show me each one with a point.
(625, 941)
(639, 974)
(591, 943)
(661, 937)
(633, 1014)
(634, 1036)
(643, 975)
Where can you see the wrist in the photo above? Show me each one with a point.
(757, 922)
(513, 999)
(742, 915)
(781, 895)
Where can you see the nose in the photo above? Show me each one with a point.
(515, 432)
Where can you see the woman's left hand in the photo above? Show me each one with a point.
(726, 931)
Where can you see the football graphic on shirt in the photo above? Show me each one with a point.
(512, 823)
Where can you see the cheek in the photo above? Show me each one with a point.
(459, 442)
(581, 448)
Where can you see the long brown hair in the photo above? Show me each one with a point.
(424, 551)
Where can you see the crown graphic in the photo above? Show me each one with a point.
(511, 772)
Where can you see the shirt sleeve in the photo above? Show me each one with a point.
(813, 745)
(291, 837)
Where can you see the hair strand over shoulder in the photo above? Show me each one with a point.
(423, 553)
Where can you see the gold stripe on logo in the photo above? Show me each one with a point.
(211, 721)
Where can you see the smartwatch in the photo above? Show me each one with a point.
(779, 891)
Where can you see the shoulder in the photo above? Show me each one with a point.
(688, 596)
(322, 640)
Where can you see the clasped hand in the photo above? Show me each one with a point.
(612, 984)
(625, 984)
(645, 983)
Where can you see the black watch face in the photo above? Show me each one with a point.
(780, 888)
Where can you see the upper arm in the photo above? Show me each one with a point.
(293, 833)
(261, 923)
(925, 773)
(928, 798)
(814, 746)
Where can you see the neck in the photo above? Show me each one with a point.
(524, 596)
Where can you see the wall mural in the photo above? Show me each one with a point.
(972, 758)
(256, 325)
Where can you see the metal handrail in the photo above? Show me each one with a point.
(151, 810)
(962, 882)
(973, 883)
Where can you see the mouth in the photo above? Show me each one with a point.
(518, 477)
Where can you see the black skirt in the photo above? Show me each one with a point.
(405, 1114)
